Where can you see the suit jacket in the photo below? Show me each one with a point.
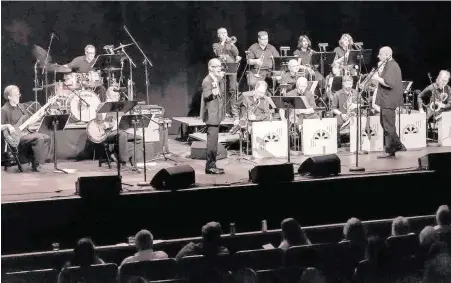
(211, 107)
(392, 96)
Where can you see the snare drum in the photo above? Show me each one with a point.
(80, 110)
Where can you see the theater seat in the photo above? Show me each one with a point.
(38, 276)
(98, 273)
(258, 259)
(150, 270)
(202, 269)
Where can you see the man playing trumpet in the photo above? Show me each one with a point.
(227, 52)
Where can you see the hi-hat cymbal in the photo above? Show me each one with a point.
(57, 68)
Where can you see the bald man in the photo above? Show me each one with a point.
(389, 97)
(212, 112)
(290, 77)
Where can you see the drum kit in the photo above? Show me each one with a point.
(78, 92)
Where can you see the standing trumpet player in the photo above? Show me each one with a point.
(211, 111)
(227, 52)
(442, 94)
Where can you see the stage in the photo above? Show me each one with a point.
(52, 185)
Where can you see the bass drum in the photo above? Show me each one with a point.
(83, 111)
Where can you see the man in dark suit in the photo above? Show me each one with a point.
(212, 112)
(389, 97)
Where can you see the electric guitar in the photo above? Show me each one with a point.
(13, 139)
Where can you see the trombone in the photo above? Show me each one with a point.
(259, 67)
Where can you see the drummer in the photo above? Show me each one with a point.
(85, 64)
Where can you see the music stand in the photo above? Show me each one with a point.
(321, 59)
(281, 63)
(134, 121)
(287, 103)
(359, 57)
(117, 106)
(230, 68)
(55, 123)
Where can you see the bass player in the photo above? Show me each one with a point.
(13, 114)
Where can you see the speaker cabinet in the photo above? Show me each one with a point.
(439, 162)
(199, 151)
(272, 173)
(321, 166)
(98, 187)
(174, 178)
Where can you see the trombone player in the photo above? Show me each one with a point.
(260, 57)
(227, 52)
(443, 94)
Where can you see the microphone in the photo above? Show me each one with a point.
(54, 35)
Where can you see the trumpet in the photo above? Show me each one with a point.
(231, 40)
(259, 67)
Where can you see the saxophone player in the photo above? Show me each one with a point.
(443, 96)
(290, 77)
(258, 105)
(309, 112)
(227, 52)
(344, 103)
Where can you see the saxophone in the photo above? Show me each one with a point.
(440, 98)
(350, 110)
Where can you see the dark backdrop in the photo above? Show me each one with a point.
(177, 36)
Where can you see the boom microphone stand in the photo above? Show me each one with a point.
(132, 65)
(146, 60)
(44, 72)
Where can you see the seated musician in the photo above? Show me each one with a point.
(85, 64)
(125, 138)
(260, 57)
(442, 91)
(12, 112)
(259, 106)
(290, 77)
(344, 103)
(300, 114)
(342, 51)
(335, 72)
(304, 52)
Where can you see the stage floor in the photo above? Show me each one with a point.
(49, 184)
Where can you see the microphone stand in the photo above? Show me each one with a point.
(36, 85)
(358, 129)
(132, 65)
(81, 100)
(433, 99)
(146, 60)
(44, 72)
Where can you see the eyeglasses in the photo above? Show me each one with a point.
(216, 66)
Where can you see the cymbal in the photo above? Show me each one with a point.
(57, 68)
(122, 46)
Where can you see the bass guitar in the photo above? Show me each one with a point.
(13, 139)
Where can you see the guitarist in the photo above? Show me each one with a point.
(440, 86)
(125, 139)
(13, 115)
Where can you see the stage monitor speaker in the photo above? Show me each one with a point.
(199, 151)
(321, 166)
(98, 187)
(439, 162)
(275, 173)
(174, 178)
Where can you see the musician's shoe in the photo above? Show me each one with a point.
(214, 171)
(36, 169)
(220, 169)
(401, 148)
(386, 155)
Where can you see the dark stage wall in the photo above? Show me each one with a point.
(177, 36)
